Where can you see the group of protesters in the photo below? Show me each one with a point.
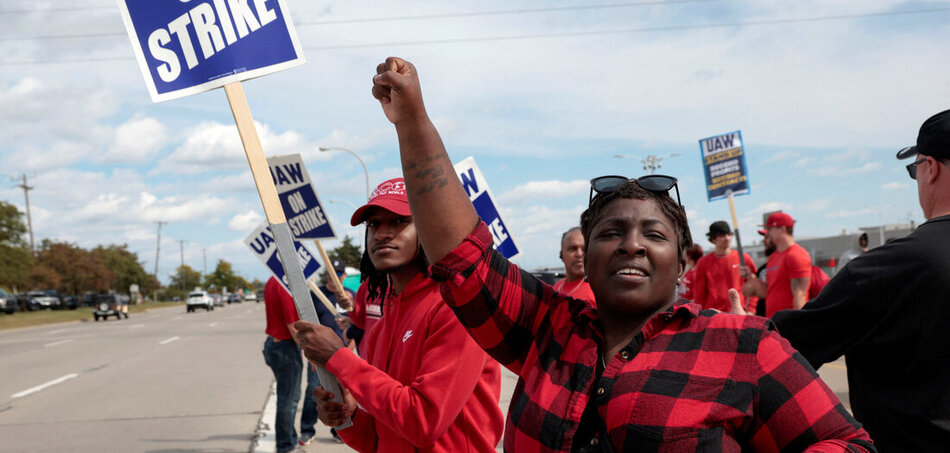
(635, 350)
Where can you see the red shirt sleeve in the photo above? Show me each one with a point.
(798, 263)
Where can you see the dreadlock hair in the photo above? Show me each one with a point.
(378, 282)
(631, 189)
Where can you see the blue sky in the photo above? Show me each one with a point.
(541, 95)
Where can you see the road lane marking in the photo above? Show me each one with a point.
(169, 340)
(43, 386)
(50, 345)
(59, 331)
(212, 324)
(136, 326)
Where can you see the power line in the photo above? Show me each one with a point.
(552, 9)
(750, 23)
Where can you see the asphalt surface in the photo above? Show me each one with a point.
(162, 381)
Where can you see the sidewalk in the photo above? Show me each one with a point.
(323, 442)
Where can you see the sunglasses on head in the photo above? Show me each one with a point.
(912, 168)
(659, 184)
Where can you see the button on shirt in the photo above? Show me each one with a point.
(691, 381)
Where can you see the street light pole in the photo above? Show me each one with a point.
(357, 156)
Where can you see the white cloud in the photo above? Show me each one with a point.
(245, 222)
(895, 186)
(545, 190)
(135, 141)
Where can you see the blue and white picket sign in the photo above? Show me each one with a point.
(484, 202)
(261, 241)
(188, 46)
(305, 214)
(724, 165)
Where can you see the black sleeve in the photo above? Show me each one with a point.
(326, 317)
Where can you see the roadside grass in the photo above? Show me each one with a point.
(35, 318)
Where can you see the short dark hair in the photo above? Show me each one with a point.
(631, 189)
(694, 252)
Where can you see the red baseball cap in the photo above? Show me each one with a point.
(390, 195)
(778, 219)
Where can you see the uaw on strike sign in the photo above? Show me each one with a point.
(477, 190)
(724, 165)
(188, 46)
(305, 214)
(261, 241)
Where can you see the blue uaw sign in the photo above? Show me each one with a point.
(477, 190)
(305, 214)
(724, 164)
(262, 243)
(188, 46)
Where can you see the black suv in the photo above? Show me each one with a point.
(111, 305)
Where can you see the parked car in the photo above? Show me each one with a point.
(8, 303)
(71, 302)
(218, 300)
(199, 299)
(38, 300)
(250, 297)
(111, 305)
(234, 298)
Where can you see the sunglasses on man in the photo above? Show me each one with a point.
(912, 168)
(659, 184)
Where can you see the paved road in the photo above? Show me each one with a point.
(156, 382)
(163, 381)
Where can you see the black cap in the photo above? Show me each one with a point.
(338, 266)
(717, 228)
(933, 138)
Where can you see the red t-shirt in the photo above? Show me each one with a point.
(280, 309)
(578, 289)
(715, 275)
(782, 267)
(685, 288)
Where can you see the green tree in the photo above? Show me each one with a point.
(15, 257)
(348, 252)
(126, 267)
(77, 269)
(185, 279)
(224, 277)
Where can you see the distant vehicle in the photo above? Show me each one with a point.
(39, 300)
(250, 297)
(8, 302)
(218, 300)
(71, 302)
(234, 298)
(111, 305)
(549, 277)
(260, 296)
(199, 299)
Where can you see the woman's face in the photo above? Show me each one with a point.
(633, 258)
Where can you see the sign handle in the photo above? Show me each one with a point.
(735, 226)
(278, 222)
(329, 266)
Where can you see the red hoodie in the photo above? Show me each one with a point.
(424, 385)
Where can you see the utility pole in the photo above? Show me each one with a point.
(158, 250)
(181, 270)
(204, 258)
(29, 222)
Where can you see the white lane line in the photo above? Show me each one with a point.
(136, 326)
(169, 340)
(59, 331)
(50, 345)
(43, 386)
(212, 324)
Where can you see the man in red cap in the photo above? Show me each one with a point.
(422, 383)
(788, 271)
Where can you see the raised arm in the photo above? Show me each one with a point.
(441, 210)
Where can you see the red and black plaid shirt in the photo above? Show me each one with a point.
(690, 381)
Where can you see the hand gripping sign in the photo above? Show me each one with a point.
(186, 47)
(484, 202)
(725, 168)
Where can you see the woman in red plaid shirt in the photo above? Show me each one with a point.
(640, 372)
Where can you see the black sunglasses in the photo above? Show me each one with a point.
(912, 168)
(660, 184)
